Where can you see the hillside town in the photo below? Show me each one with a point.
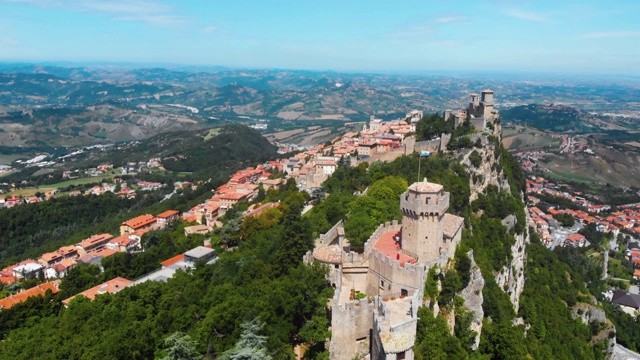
(625, 219)
(309, 168)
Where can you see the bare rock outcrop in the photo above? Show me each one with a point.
(473, 299)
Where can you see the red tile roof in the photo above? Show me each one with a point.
(172, 260)
(140, 221)
(95, 239)
(112, 286)
(39, 290)
(167, 214)
(575, 237)
(389, 247)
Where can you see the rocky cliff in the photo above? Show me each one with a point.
(482, 175)
(473, 299)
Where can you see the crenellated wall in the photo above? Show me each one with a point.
(330, 236)
(386, 276)
(381, 229)
(350, 326)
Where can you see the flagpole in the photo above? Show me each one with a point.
(419, 162)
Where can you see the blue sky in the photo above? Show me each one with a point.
(591, 37)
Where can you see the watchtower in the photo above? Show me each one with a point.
(486, 103)
(423, 208)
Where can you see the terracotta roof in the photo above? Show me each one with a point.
(425, 186)
(575, 237)
(67, 263)
(105, 252)
(172, 260)
(95, 239)
(112, 286)
(66, 250)
(50, 256)
(452, 225)
(211, 206)
(257, 211)
(328, 254)
(140, 221)
(389, 247)
(167, 214)
(234, 196)
(8, 279)
(39, 290)
(120, 240)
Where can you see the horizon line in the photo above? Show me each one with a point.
(415, 72)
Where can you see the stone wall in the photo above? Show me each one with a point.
(382, 228)
(330, 236)
(386, 276)
(350, 326)
(428, 145)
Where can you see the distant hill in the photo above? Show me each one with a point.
(561, 118)
(556, 118)
(205, 152)
(57, 106)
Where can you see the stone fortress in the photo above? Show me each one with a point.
(391, 272)
(480, 110)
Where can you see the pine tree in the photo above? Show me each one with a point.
(181, 347)
(251, 345)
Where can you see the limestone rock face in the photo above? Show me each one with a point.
(473, 299)
(511, 277)
(588, 313)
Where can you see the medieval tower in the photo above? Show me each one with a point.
(423, 208)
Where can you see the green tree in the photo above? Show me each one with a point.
(82, 277)
(179, 346)
(251, 345)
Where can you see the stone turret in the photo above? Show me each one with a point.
(486, 103)
(423, 208)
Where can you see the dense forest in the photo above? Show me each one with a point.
(215, 306)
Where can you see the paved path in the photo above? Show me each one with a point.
(306, 208)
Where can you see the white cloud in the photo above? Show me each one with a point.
(211, 28)
(449, 19)
(527, 15)
(148, 11)
(410, 32)
(7, 43)
(611, 34)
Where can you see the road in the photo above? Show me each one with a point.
(606, 265)
(559, 233)
(168, 196)
(622, 353)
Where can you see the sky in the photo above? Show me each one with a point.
(559, 36)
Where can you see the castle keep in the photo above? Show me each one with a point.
(391, 272)
(479, 111)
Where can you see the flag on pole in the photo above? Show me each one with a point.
(424, 153)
